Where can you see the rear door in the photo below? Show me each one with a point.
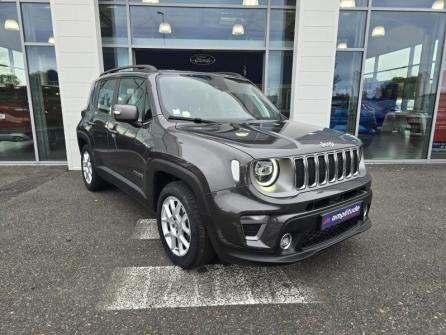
(99, 120)
(128, 156)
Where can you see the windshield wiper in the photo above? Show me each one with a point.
(249, 121)
(192, 119)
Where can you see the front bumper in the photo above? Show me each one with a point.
(300, 216)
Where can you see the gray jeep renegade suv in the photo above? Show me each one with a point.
(223, 170)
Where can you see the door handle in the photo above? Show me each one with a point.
(91, 123)
(113, 130)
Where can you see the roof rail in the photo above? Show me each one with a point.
(142, 68)
(232, 74)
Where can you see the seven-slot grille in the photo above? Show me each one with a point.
(324, 168)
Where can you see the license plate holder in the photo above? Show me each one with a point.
(341, 215)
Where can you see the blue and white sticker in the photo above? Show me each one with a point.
(341, 215)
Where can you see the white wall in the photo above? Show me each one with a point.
(79, 62)
(314, 60)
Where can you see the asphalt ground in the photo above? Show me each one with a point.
(77, 262)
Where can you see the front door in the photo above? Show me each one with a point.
(99, 120)
(127, 157)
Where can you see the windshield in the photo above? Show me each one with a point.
(213, 97)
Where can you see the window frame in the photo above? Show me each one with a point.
(148, 95)
(144, 79)
(149, 102)
(92, 98)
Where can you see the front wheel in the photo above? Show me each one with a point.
(182, 231)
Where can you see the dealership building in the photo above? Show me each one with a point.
(373, 68)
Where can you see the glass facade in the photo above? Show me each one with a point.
(16, 136)
(346, 91)
(204, 2)
(281, 32)
(390, 74)
(279, 79)
(37, 22)
(203, 28)
(217, 35)
(113, 24)
(353, 3)
(45, 97)
(401, 86)
(397, 65)
(432, 4)
(31, 125)
(115, 57)
(439, 141)
(351, 29)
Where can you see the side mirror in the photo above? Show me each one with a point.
(125, 113)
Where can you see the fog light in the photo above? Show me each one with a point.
(366, 212)
(285, 241)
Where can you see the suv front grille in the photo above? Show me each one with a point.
(331, 168)
(322, 163)
(300, 175)
(311, 171)
(321, 169)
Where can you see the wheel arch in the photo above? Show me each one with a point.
(161, 172)
(82, 139)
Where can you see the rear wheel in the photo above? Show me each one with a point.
(182, 231)
(91, 179)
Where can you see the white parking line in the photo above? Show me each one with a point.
(146, 229)
(172, 287)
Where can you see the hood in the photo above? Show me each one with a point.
(266, 139)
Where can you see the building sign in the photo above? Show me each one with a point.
(202, 59)
(439, 144)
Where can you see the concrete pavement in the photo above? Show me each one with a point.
(72, 262)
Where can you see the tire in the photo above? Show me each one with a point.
(199, 251)
(92, 180)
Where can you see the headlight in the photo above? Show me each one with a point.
(266, 172)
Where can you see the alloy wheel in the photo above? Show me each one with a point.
(175, 226)
(87, 168)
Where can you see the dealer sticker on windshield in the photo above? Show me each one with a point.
(341, 215)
